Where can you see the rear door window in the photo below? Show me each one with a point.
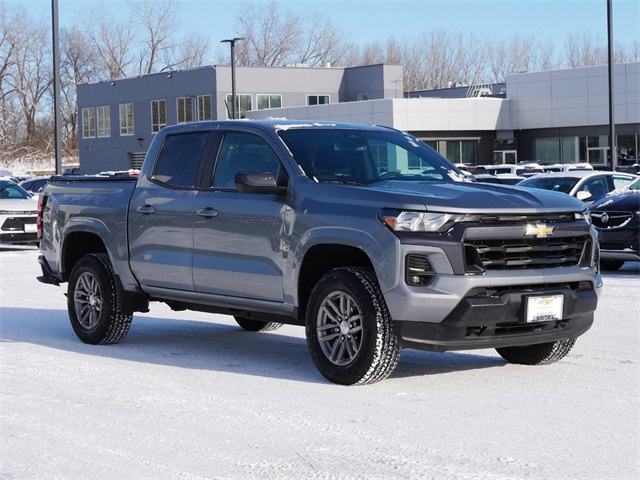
(179, 159)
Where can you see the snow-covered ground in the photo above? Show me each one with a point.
(192, 396)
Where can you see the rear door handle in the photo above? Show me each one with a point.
(207, 212)
(146, 210)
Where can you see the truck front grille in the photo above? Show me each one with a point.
(524, 253)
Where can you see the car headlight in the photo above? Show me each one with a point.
(407, 221)
(585, 215)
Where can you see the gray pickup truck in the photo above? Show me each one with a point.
(364, 235)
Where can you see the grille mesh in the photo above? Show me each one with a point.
(613, 219)
(504, 254)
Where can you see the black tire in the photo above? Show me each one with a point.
(349, 331)
(92, 302)
(540, 354)
(251, 325)
(611, 265)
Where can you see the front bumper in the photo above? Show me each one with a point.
(487, 310)
(499, 321)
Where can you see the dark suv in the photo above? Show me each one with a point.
(616, 217)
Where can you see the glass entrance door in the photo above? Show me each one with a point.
(508, 157)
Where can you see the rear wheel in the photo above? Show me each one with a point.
(611, 265)
(251, 325)
(349, 331)
(540, 354)
(93, 304)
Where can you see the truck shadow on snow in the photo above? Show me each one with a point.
(220, 347)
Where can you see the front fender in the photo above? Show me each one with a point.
(382, 248)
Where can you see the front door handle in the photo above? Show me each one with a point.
(207, 212)
(146, 210)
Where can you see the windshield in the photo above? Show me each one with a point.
(557, 184)
(361, 156)
(11, 190)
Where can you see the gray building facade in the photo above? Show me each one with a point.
(549, 117)
(119, 118)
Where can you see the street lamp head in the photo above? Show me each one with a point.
(232, 40)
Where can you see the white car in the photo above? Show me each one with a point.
(18, 212)
(522, 170)
(568, 167)
(585, 185)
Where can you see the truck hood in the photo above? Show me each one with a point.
(464, 197)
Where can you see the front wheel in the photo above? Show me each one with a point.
(349, 331)
(93, 304)
(540, 354)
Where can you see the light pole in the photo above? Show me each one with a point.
(613, 150)
(232, 42)
(56, 87)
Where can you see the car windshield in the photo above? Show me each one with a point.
(557, 184)
(362, 156)
(11, 190)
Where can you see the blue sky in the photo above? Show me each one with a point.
(365, 21)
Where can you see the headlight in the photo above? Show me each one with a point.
(423, 221)
(585, 215)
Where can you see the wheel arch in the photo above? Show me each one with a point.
(77, 245)
(321, 258)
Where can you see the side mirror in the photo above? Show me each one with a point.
(258, 183)
(583, 195)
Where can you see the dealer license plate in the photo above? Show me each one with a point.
(30, 228)
(544, 309)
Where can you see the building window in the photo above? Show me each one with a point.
(158, 115)
(204, 108)
(627, 147)
(362, 97)
(88, 122)
(126, 119)
(598, 149)
(268, 101)
(185, 109)
(317, 99)
(104, 121)
(556, 150)
(243, 105)
(462, 151)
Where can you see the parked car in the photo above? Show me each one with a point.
(35, 184)
(18, 213)
(617, 219)
(568, 167)
(585, 185)
(502, 178)
(523, 170)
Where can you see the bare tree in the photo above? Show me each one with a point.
(583, 50)
(79, 63)
(147, 44)
(8, 46)
(519, 54)
(112, 41)
(31, 75)
(273, 38)
(191, 52)
(157, 39)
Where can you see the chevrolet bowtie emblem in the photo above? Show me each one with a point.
(540, 230)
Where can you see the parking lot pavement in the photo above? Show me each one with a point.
(190, 395)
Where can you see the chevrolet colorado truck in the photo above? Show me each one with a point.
(364, 235)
